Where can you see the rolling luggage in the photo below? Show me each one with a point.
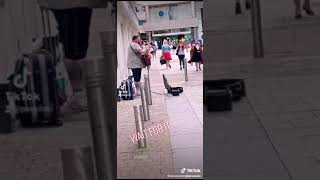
(127, 89)
(8, 122)
(35, 83)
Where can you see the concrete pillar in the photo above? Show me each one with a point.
(149, 36)
(147, 14)
(194, 33)
(193, 9)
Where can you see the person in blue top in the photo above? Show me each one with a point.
(166, 53)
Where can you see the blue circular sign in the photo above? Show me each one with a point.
(161, 13)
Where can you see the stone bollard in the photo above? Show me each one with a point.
(100, 76)
(185, 70)
(77, 163)
(147, 89)
(138, 115)
(146, 115)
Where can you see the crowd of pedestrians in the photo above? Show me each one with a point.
(139, 48)
(297, 3)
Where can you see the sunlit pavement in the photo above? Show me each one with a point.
(185, 115)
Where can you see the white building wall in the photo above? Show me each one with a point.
(183, 16)
(126, 28)
(183, 11)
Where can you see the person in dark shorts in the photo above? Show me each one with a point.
(73, 23)
(74, 29)
(134, 61)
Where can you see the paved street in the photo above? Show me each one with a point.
(186, 117)
(274, 132)
(33, 154)
(167, 153)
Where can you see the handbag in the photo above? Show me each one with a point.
(162, 60)
(146, 59)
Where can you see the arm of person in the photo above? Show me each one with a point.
(139, 49)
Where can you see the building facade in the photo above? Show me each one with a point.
(154, 20)
(161, 19)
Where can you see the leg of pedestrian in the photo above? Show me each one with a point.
(297, 9)
(307, 8)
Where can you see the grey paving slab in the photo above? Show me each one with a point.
(187, 141)
(239, 146)
(193, 160)
(296, 145)
(186, 119)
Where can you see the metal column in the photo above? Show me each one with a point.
(100, 75)
(258, 51)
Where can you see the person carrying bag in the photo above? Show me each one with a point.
(73, 19)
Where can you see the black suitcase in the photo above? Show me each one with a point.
(237, 86)
(218, 100)
(175, 92)
(127, 89)
(179, 89)
(35, 82)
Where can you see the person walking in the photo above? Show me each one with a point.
(73, 20)
(196, 55)
(166, 53)
(306, 7)
(156, 44)
(238, 7)
(153, 50)
(181, 48)
(135, 63)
